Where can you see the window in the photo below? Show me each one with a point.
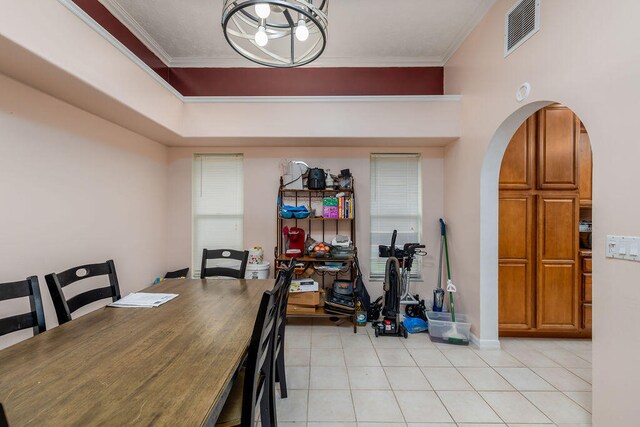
(396, 204)
(218, 204)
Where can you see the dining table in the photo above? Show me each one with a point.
(171, 365)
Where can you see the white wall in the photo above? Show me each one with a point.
(586, 57)
(75, 189)
(261, 180)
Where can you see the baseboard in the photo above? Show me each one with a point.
(485, 344)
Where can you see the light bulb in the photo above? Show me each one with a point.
(302, 32)
(261, 37)
(263, 10)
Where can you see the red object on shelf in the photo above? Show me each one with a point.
(296, 239)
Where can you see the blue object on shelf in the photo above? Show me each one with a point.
(294, 208)
(286, 214)
(301, 215)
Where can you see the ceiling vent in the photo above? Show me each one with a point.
(521, 22)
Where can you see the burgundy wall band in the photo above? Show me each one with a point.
(305, 81)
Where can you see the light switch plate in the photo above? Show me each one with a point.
(623, 247)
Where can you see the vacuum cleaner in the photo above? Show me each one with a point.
(391, 323)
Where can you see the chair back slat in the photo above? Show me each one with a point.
(33, 319)
(224, 254)
(3, 417)
(177, 274)
(57, 281)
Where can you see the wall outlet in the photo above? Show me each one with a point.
(623, 247)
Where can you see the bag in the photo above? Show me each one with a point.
(360, 290)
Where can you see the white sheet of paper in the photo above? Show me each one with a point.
(143, 299)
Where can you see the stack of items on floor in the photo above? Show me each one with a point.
(304, 297)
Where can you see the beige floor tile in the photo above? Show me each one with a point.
(362, 357)
(566, 358)
(294, 339)
(543, 343)
(446, 379)
(485, 379)
(586, 355)
(376, 406)
(534, 359)
(356, 341)
(406, 378)
(297, 356)
(562, 379)
(498, 358)
(347, 329)
(464, 358)
(513, 407)
(431, 424)
(481, 425)
(418, 341)
(524, 379)
(532, 425)
(327, 357)
(329, 378)
(558, 407)
(330, 405)
(513, 344)
(584, 373)
(294, 407)
(468, 407)
(288, 424)
(329, 424)
(576, 345)
(582, 398)
(297, 377)
(382, 425)
(387, 342)
(431, 357)
(419, 406)
(368, 378)
(326, 341)
(395, 357)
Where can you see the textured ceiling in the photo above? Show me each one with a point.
(361, 32)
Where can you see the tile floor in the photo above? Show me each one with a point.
(339, 379)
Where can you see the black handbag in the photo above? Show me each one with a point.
(360, 290)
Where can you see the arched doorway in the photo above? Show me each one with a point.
(489, 203)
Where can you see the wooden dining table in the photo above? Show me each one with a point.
(168, 365)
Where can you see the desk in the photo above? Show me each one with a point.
(168, 365)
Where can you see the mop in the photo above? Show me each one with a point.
(452, 336)
(438, 292)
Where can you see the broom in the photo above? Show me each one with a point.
(452, 336)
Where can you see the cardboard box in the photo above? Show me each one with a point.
(305, 298)
(300, 309)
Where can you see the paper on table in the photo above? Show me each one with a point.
(142, 299)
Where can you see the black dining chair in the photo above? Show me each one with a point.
(33, 319)
(178, 274)
(278, 352)
(255, 385)
(224, 254)
(57, 281)
(3, 417)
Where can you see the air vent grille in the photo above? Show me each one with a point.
(521, 22)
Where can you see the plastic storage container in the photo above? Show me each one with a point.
(257, 271)
(441, 328)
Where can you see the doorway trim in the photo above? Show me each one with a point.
(489, 177)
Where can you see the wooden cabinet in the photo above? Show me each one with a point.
(585, 168)
(586, 282)
(557, 259)
(517, 171)
(558, 135)
(541, 290)
(516, 265)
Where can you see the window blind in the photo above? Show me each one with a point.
(218, 204)
(396, 204)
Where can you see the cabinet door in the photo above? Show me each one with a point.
(515, 265)
(517, 171)
(558, 291)
(558, 134)
(585, 160)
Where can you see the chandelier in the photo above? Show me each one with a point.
(276, 33)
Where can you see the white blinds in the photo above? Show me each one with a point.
(396, 204)
(218, 204)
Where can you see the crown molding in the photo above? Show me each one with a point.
(129, 21)
(318, 99)
(324, 61)
(480, 12)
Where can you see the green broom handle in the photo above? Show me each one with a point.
(446, 251)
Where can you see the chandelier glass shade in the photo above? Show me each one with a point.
(276, 33)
